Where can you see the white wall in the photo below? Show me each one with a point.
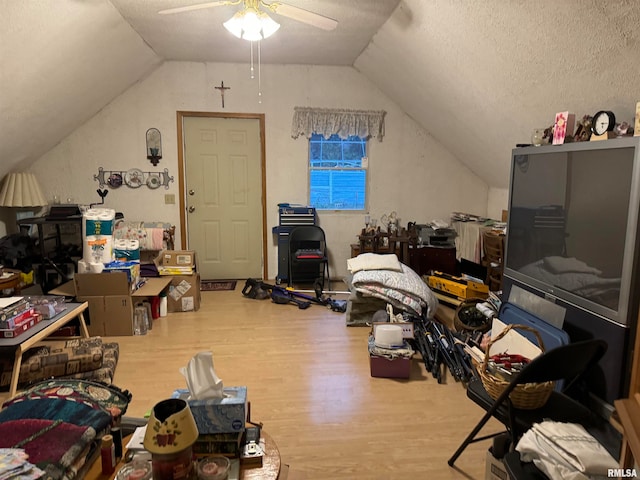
(409, 171)
(498, 201)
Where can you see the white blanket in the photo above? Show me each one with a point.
(565, 451)
(404, 290)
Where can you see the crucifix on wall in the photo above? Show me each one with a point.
(222, 88)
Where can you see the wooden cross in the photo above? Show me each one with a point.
(222, 88)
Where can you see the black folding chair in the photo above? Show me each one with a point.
(308, 261)
(567, 362)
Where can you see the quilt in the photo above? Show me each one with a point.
(404, 290)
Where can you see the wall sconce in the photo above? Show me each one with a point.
(154, 146)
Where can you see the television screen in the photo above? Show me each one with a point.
(571, 230)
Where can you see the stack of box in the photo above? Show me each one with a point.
(184, 290)
(111, 298)
(16, 316)
(385, 367)
(220, 421)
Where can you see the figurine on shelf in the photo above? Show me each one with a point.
(583, 132)
(621, 129)
(391, 221)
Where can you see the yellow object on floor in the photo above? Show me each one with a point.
(457, 287)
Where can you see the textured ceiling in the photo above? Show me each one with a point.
(198, 36)
(478, 75)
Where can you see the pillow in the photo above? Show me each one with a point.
(569, 265)
(374, 261)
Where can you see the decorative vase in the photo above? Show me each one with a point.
(171, 433)
(537, 137)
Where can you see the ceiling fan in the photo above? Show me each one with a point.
(296, 13)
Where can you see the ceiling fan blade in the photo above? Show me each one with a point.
(302, 15)
(197, 6)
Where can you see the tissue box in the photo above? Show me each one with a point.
(218, 415)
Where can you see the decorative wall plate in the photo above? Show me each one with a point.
(114, 180)
(134, 178)
(153, 182)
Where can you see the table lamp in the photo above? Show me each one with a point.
(21, 190)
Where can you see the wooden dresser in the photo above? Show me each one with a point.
(628, 410)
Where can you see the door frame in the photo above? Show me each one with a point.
(180, 115)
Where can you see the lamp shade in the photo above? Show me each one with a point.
(171, 428)
(21, 190)
(251, 25)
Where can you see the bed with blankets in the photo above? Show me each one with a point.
(377, 280)
(575, 276)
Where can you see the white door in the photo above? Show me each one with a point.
(224, 195)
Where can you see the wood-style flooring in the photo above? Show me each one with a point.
(309, 383)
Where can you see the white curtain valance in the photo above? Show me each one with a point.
(344, 123)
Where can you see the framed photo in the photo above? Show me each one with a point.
(563, 126)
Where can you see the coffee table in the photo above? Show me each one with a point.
(41, 331)
(270, 469)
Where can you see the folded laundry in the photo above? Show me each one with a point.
(565, 450)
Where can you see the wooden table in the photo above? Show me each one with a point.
(270, 469)
(35, 334)
(11, 281)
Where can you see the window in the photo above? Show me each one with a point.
(337, 178)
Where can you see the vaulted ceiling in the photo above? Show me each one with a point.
(477, 75)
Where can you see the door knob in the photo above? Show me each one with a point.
(192, 209)
(192, 192)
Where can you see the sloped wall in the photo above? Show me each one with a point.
(409, 171)
(480, 75)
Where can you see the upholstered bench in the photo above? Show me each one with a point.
(83, 358)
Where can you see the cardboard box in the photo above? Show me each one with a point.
(176, 262)
(218, 415)
(184, 293)
(494, 468)
(386, 368)
(111, 300)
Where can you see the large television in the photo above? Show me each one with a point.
(572, 239)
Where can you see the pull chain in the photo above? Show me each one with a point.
(259, 74)
(252, 76)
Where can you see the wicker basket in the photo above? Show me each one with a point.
(478, 323)
(527, 396)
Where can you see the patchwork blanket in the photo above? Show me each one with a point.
(56, 447)
(59, 422)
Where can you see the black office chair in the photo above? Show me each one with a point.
(567, 362)
(308, 261)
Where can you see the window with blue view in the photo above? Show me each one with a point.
(337, 179)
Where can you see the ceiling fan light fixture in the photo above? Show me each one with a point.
(234, 24)
(269, 25)
(251, 25)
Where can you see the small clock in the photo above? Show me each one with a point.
(604, 121)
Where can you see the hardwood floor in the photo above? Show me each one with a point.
(308, 381)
